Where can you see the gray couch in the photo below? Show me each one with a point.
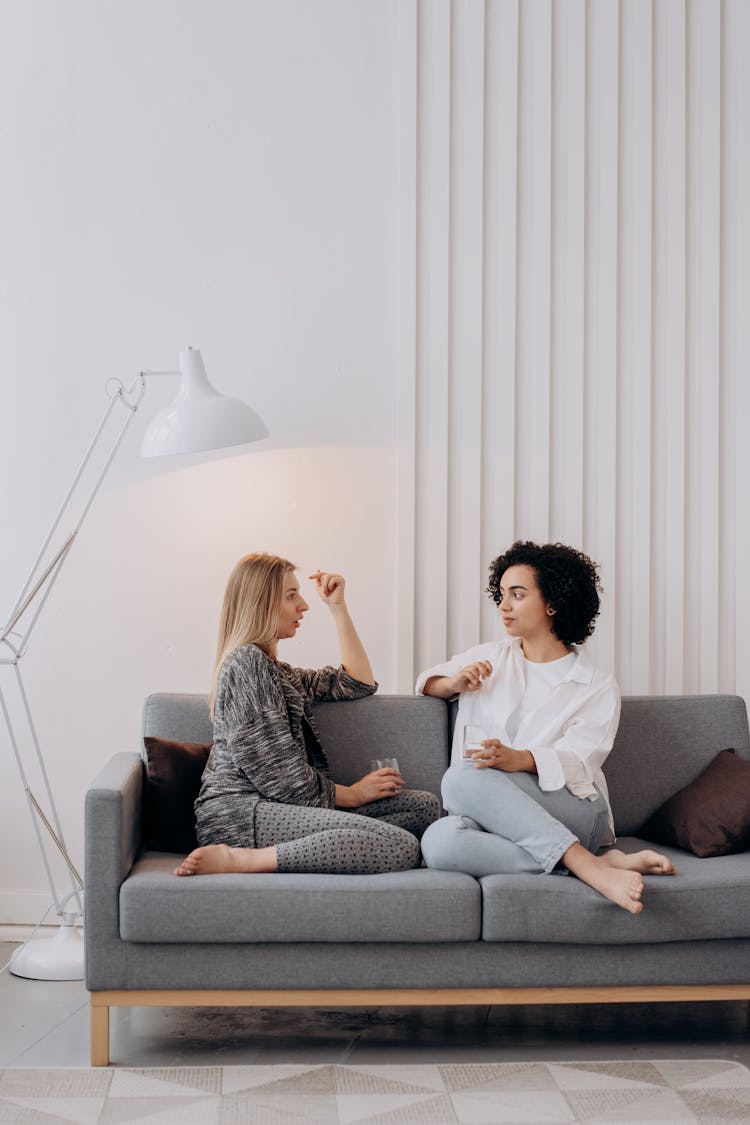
(283, 939)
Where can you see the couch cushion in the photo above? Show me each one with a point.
(663, 743)
(407, 906)
(706, 899)
(173, 778)
(711, 815)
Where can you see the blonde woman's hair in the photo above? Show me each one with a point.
(250, 610)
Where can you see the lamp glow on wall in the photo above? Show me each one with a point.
(198, 420)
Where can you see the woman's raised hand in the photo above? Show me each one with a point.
(330, 586)
(354, 659)
(375, 786)
(473, 676)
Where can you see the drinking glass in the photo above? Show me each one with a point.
(384, 763)
(473, 738)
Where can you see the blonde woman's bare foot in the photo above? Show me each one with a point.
(647, 862)
(620, 885)
(220, 859)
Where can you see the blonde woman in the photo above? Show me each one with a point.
(267, 802)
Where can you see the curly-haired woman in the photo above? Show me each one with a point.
(531, 795)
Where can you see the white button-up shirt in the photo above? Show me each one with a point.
(570, 735)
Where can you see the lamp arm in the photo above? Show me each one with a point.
(25, 598)
(36, 589)
(63, 507)
(131, 398)
(58, 842)
(37, 815)
(22, 606)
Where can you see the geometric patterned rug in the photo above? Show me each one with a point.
(667, 1092)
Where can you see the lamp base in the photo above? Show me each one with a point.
(56, 958)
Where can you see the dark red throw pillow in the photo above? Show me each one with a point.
(173, 778)
(711, 815)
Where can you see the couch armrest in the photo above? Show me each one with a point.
(112, 839)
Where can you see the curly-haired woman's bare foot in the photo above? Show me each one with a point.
(647, 862)
(220, 859)
(620, 885)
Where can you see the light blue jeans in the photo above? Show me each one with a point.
(504, 824)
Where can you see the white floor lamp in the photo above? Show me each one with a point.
(198, 420)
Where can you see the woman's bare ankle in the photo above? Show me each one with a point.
(263, 860)
(221, 859)
(648, 862)
(622, 886)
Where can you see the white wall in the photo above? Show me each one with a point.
(482, 266)
(224, 175)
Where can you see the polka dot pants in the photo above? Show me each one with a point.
(382, 836)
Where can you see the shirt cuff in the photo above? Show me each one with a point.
(552, 774)
(445, 669)
(352, 681)
(548, 769)
(329, 793)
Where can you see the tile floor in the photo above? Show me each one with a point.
(46, 1024)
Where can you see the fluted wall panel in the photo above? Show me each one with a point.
(575, 342)
(568, 280)
(668, 453)
(466, 315)
(734, 657)
(495, 490)
(634, 358)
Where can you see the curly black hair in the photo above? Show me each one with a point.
(568, 581)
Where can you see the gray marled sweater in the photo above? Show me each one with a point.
(261, 750)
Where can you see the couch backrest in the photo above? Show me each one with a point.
(181, 717)
(662, 744)
(411, 728)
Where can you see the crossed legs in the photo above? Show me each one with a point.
(504, 824)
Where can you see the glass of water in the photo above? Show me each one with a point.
(473, 738)
(384, 764)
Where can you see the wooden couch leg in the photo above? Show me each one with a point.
(99, 1034)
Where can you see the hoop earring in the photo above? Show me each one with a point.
(550, 612)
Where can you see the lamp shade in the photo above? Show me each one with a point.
(200, 418)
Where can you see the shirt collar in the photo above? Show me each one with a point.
(582, 671)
